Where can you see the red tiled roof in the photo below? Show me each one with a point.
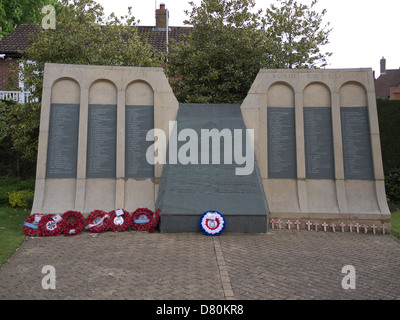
(18, 39)
(385, 81)
(156, 37)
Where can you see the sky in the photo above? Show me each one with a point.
(363, 31)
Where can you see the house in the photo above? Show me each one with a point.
(18, 40)
(387, 85)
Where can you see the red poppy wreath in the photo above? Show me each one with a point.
(30, 226)
(120, 220)
(51, 225)
(144, 219)
(97, 221)
(74, 223)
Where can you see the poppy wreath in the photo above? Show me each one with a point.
(97, 221)
(155, 220)
(212, 223)
(49, 227)
(30, 228)
(74, 223)
(119, 222)
(142, 220)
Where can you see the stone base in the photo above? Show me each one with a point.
(234, 223)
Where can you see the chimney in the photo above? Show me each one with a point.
(161, 17)
(383, 65)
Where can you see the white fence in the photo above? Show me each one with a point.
(18, 96)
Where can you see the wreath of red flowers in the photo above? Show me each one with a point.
(48, 227)
(155, 220)
(29, 227)
(98, 221)
(119, 222)
(74, 223)
(144, 219)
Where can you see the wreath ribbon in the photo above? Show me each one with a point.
(98, 223)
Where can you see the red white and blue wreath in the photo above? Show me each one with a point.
(74, 223)
(98, 221)
(51, 225)
(120, 220)
(212, 223)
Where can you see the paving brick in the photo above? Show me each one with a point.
(283, 264)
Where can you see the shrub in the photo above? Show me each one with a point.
(389, 127)
(21, 199)
(392, 185)
(8, 185)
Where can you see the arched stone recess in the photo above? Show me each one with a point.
(281, 184)
(59, 148)
(319, 149)
(357, 150)
(139, 188)
(101, 158)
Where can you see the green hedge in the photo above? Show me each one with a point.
(389, 128)
(10, 185)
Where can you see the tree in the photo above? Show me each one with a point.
(84, 36)
(16, 12)
(297, 33)
(230, 43)
(221, 56)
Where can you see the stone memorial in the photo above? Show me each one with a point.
(303, 146)
(92, 142)
(338, 174)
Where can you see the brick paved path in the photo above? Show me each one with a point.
(283, 264)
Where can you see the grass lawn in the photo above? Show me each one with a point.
(396, 224)
(11, 234)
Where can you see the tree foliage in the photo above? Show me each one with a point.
(16, 12)
(230, 42)
(221, 56)
(296, 35)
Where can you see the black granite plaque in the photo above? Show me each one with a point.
(318, 140)
(194, 188)
(62, 147)
(357, 152)
(281, 143)
(138, 121)
(101, 143)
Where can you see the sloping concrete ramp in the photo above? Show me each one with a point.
(233, 188)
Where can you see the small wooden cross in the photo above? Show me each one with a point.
(333, 227)
(342, 225)
(289, 223)
(279, 222)
(365, 228)
(351, 227)
(297, 223)
(272, 223)
(383, 228)
(373, 227)
(308, 223)
(316, 224)
(324, 225)
(357, 227)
